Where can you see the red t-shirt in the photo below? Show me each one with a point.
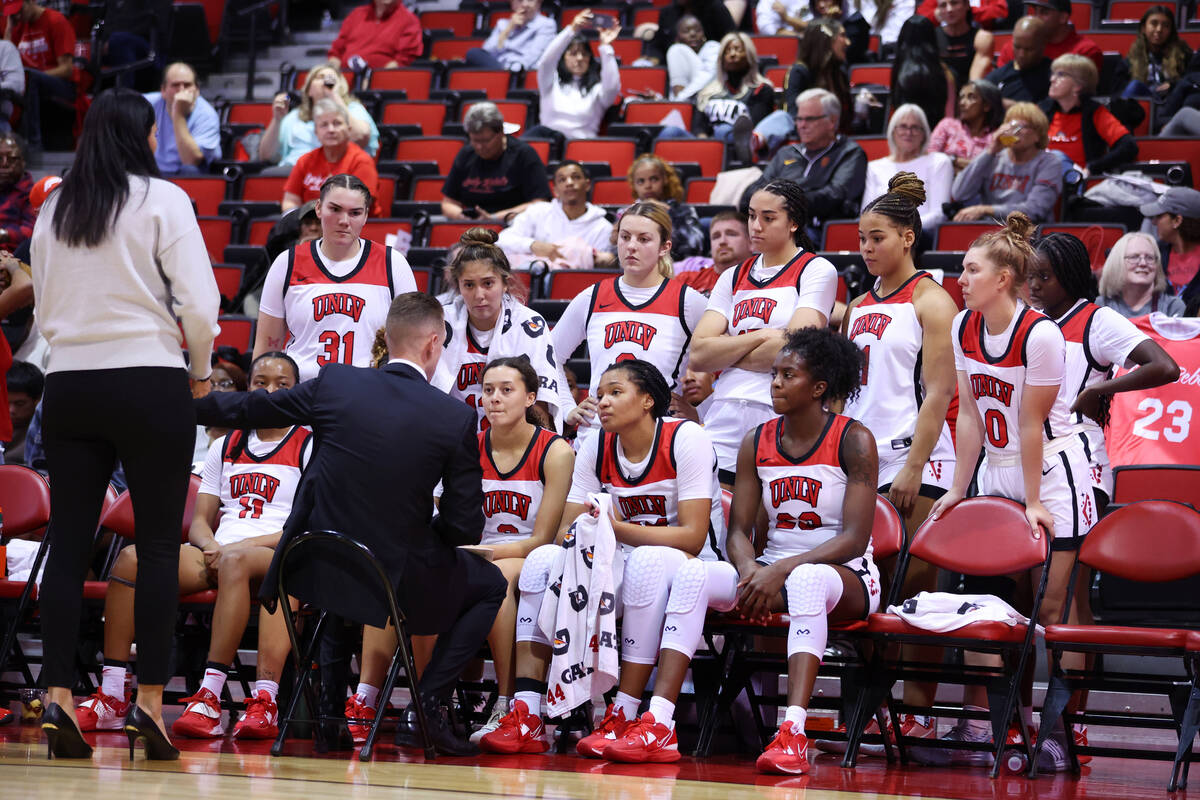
(313, 168)
(379, 40)
(44, 40)
(1066, 132)
(1074, 43)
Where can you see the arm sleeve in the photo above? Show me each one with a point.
(12, 74)
(694, 306)
(409, 43)
(544, 35)
(547, 67)
(1043, 193)
(206, 130)
(843, 189)
(402, 274)
(519, 235)
(1047, 353)
(454, 178)
(940, 136)
(872, 188)
(359, 112)
(63, 36)
(761, 102)
(969, 183)
(1112, 337)
(460, 517)
(818, 287)
(571, 328)
(610, 77)
(210, 481)
(695, 461)
(184, 263)
(295, 179)
(273, 288)
(583, 479)
(706, 72)
(492, 44)
(767, 18)
(338, 48)
(721, 299)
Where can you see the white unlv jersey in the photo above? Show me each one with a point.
(332, 319)
(749, 305)
(655, 331)
(652, 498)
(511, 499)
(256, 491)
(468, 376)
(998, 381)
(888, 333)
(803, 497)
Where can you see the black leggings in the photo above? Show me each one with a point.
(144, 417)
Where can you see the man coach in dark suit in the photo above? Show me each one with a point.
(384, 438)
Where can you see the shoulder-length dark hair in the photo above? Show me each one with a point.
(1175, 53)
(113, 146)
(591, 77)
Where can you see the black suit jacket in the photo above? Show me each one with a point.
(383, 439)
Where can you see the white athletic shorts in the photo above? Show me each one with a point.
(1066, 492)
(938, 475)
(727, 423)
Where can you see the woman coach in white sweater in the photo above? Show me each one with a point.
(118, 265)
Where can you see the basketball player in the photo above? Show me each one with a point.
(322, 301)
(1011, 362)
(249, 483)
(786, 286)
(662, 476)
(640, 314)
(815, 473)
(902, 327)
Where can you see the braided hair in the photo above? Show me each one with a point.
(649, 380)
(1072, 265)
(796, 207)
(239, 445)
(900, 204)
(830, 357)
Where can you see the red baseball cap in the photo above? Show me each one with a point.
(37, 195)
(11, 7)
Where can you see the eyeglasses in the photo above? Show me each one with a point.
(909, 129)
(1139, 258)
(811, 120)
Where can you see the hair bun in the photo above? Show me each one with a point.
(909, 186)
(1019, 225)
(478, 235)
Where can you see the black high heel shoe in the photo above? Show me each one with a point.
(139, 725)
(63, 738)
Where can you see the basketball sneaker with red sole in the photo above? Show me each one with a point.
(645, 741)
(787, 754)
(101, 712)
(866, 749)
(611, 728)
(261, 720)
(201, 717)
(1081, 741)
(519, 732)
(359, 719)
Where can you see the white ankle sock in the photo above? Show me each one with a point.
(663, 710)
(270, 687)
(112, 682)
(214, 680)
(532, 701)
(627, 703)
(797, 715)
(367, 694)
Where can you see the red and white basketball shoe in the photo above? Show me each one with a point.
(201, 719)
(787, 754)
(611, 728)
(359, 719)
(261, 720)
(645, 741)
(102, 713)
(519, 732)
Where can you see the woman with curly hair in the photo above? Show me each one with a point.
(291, 134)
(651, 178)
(1157, 59)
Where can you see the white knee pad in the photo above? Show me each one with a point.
(649, 571)
(813, 589)
(689, 589)
(535, 572)
(696, 586)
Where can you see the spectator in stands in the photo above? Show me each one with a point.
(985, 13)
(956, 34)
(908, 137)
(516, 43)
(1176, 218)
(729, 238)
(713, 15)
(16, 213)
(189, 132)
(696, 395)
(495, 176)
(25, 384)
(1158, 58)
(773, 17)
(575, 89)
(884, 17)
(1014, 173)
(337, 155)
(1061, 36)
(46, 42)
(12, 82)
(133, 29)
(1085, 133)
(651, 178)
(980, 112)
(1133, 283)
(821, 64)
(381, 35)
(691, 61)
(1026, 78)
(831, 169)
(918, 74)
(566, 233)
(291, 134)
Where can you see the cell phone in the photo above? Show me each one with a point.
(602, 22)
(471, 213)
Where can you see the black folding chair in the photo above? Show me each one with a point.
(317, 545)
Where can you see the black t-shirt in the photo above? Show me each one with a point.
(1025, 85)
(957, 53)
(516, 177)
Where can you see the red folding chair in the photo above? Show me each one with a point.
(377, 230)
(302, 76)
(428, 188)
(782, 47)
(248, 114)
(875, 147)
(25, 498)
(264, 188)
(514, 111)
(1177, 482)
(708, 153)
(1161, 148)
(564, 285)
(229, 279)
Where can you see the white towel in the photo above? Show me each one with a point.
(583, 623)
(944, 611)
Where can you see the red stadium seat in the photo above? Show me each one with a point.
(428, 188)
(452, 49)
(493, 82)
(619, 153)
(1112, 41)
(643, 15)
(415, 82)
(1097, 237)
(863, 74)
(699, 190)
(218, 234)
(237, 332)
(782, 47)
(952, 287)
(960, 235)
(445, 234)
(611, 192)
(541, 147)
(424, 278)
(1160, 148)
(564, 285)
(651, 112)
(1129, 9)
(841, 234)
(439, 149)
(207, 192)
(248, 114)
(875, 147)
(264, 188)
(260, 229)
(777, 75)
(461, 22)
(25, 498)
(229, 279)
(627, 50)
(1177, 482)
(430, 116)
(635, 80)
(708, 153)
(377, 230)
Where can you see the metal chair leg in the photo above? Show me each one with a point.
(1187, 736)
(303, 674)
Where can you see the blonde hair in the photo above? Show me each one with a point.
(658, 213)
(672, 186)
(1032, 116)
(753, 78)
(1009, 247)
(306, 102)
(1080, 69)
(1112, 277)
